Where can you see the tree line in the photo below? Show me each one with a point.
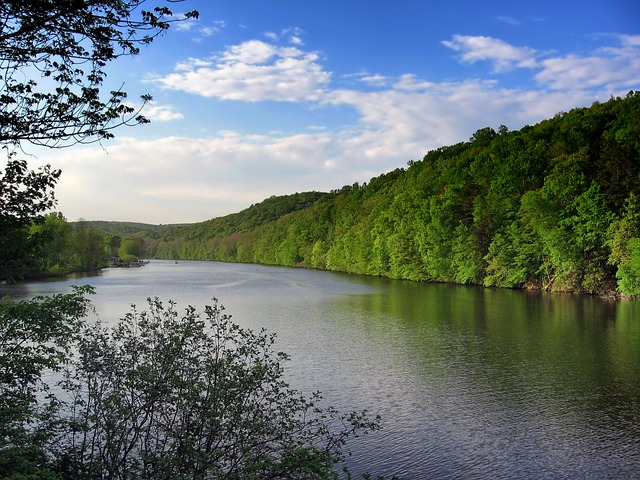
(52, 246)
(553, 206)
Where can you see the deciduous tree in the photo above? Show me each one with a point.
(35, 336)
(169, 396)
(53, 56)
(25, 197)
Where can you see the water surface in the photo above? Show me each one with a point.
(471, 383)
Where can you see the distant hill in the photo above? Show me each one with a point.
(267, 211)
(122, 228)
(168, 241)
(554, 206)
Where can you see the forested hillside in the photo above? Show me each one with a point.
(66, 247)
(189, 242)
(119, 228)
(552, 206)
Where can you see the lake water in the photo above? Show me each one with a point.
(471, 383)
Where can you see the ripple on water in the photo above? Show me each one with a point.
(470, 383)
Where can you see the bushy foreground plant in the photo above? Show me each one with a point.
(36, 337)
(168, 396)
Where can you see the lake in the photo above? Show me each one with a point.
(471, 383)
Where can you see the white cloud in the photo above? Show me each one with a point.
(178, 179)
(410, 81)
(403, 124)
(608, 68)
(296, 40)
(630, 40)
(503, 55)
(370, 79)
(192, 63)
(252, 52)
(207, 31)
(252, 71)
(256, 70)
(375, 80)
(292, 35)
(161, 113)
(564, 73)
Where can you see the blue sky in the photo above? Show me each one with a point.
(259, 98)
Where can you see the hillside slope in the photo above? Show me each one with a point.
(552, 206)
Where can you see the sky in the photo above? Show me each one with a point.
(259, 98)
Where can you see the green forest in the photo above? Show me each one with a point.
(554, 206)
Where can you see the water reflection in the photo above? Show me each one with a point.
(520, 384)
(470, 382)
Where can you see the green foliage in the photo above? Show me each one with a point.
(88, 248)
(25, 196)
(69, 44)
(25, 463)
(629, 271)
(267, 211)
(623, 229)
(111, 244)
(514, 258)
(159, 395)
(624, 241)
(164, 395)
(128, 258)
(36, 336)
(122, 229)
(132, 246)
(57, 250)
(64, 247)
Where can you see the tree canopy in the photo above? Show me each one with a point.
(25, 196)
(52, 58)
